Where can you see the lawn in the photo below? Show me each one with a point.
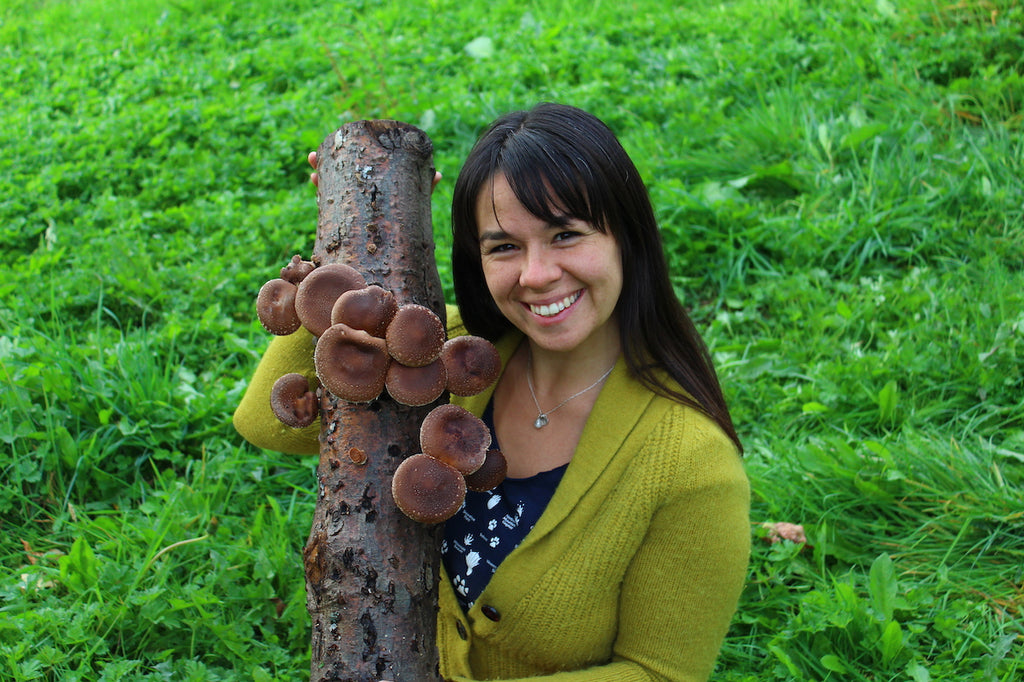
(841, 191)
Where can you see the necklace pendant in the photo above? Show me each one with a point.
(541, 421)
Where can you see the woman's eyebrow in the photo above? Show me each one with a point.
(494, 235)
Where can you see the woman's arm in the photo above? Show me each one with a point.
(682, 588)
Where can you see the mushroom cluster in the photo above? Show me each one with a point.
(367, 344)
(430, 486)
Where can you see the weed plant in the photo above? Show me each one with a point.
(841, 190)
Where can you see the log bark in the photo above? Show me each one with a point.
(371, 573)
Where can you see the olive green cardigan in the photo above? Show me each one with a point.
(634, 570)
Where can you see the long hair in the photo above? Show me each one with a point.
(562, 163)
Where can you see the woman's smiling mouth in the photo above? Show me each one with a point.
(553, 309)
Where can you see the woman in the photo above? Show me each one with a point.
(617, 547)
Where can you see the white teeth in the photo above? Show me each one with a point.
(555, 308)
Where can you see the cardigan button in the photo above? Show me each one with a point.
(491, 613)
(461, 630)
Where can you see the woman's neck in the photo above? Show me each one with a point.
(543, 401)
(555, 375)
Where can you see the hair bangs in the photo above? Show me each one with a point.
(550, 183)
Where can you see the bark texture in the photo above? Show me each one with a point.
(371, 573)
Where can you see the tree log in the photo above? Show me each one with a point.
(371, 572)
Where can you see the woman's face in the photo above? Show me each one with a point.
(558, 284)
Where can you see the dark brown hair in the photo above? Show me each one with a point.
(563, 163)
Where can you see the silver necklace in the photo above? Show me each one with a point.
(542, 417)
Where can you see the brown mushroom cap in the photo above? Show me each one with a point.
(292, 401)
(351, 364)
(371, 308)
(319, 290)
(452, 434)
(415, 336)
(427, 490)
(490, 474)
(472, 363)
(275, 306)
(297, 269)
(416, 385)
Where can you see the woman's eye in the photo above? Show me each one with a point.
(499, 248)
(567, 234)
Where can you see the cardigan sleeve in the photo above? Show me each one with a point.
(253, 418)
(683, 585)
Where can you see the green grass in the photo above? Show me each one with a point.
(841, 189)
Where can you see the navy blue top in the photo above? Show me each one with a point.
(491, 524)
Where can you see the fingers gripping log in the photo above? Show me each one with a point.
(371, 572)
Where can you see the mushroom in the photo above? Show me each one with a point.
(472, 363)
(275, 306)
(415, 336)
(351, 364)
(452, 434)
(427, 490)
(490, 474)
(292, 401)
(319, 290)
(297, 269)
(416, 385)
(371, 308)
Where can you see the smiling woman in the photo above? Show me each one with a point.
(624, 486)
(557, 283)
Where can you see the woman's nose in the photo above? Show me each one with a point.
(539, 270)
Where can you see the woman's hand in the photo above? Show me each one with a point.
(316, 181)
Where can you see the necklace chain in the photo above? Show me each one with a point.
(542, 417)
